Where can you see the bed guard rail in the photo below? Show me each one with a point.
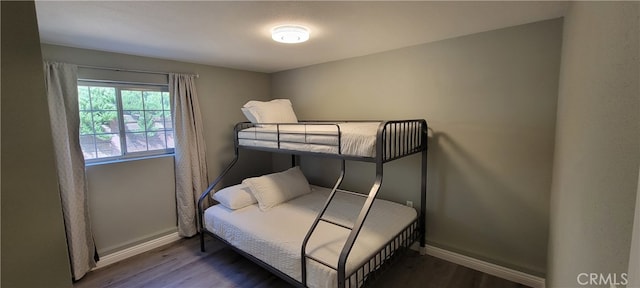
(397, 139)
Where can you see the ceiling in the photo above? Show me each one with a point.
(236, 34)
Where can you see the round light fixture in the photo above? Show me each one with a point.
(290, 34)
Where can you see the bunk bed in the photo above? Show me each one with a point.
(320, 238)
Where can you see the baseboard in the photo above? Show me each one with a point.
(486, 267)
(135, 250)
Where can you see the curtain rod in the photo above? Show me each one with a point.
(128, 70)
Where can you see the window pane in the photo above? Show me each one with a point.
(170, 143)
(156, 140)
(168, 121)
(105, 122)
(131, 100)
(136, 142)
(87, 144)
(84, 102)
(146, 122)
(155, 120)
(108, 145)
(133, 121)
(86, 123)
(152, 100)
(166, 101)
(103, 98)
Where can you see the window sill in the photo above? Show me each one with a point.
(123, 160)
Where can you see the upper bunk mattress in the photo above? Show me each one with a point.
(356, 138)
(276, 236)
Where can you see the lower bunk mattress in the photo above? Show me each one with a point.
(276, 236)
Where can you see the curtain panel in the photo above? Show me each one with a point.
(190, 163)
(61, 82)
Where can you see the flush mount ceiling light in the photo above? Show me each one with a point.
(290, 34)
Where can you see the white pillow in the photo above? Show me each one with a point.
(273, 189)
(274, 111)
(235, 197)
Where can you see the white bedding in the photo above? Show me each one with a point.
(275, 236)
(358, 138)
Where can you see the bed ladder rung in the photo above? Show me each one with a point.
(352, 193)
(336, 223)
(321, 262)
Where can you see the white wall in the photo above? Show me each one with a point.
(595, 173)
(490, 99)
(134, 201)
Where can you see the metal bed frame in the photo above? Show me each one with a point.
(394, 140)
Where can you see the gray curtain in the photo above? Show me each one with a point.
(61, 81)
(190, 164)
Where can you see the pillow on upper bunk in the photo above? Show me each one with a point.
(274, 111)
(235, 197)
(273, 189)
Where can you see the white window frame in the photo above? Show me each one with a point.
(125, 155)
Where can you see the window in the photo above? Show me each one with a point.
(122, 121)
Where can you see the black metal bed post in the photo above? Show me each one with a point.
(206, 193)
(213, 184)
(303, 252)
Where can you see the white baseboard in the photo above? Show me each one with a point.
(486, 267)
(135, 250)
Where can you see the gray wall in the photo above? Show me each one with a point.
(595, 173)
(143, 194)
(490, 100)
(123, 187)
(634, 254)
(34, 250)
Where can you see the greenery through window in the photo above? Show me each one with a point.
(119, 121)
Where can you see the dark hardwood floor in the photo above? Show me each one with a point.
(181, 264)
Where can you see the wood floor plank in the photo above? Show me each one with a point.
(181, 264)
